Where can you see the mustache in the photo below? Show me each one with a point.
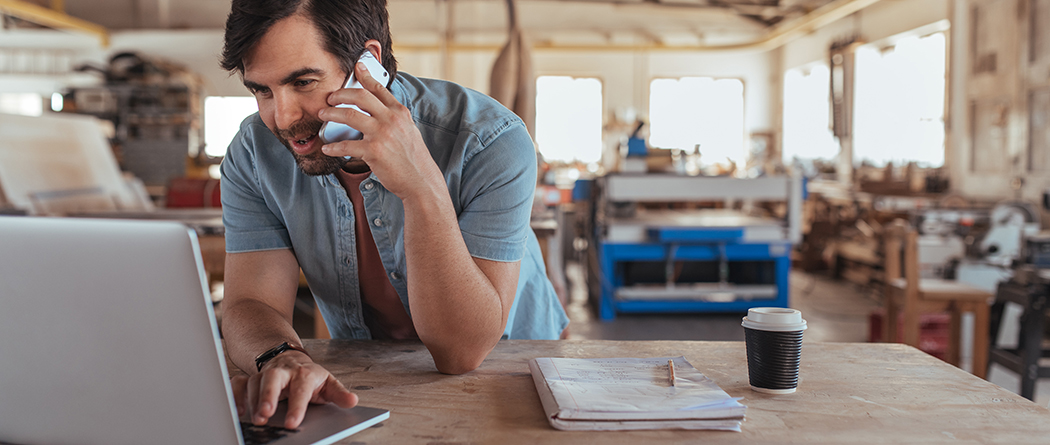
(308, 126)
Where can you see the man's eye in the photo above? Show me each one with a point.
(303, 82)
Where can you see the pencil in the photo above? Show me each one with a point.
(670, 371)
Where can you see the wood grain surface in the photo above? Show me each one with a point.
(848, 393)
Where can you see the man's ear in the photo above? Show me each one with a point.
(376, 49)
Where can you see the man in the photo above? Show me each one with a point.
(423, 233)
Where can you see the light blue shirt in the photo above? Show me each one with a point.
(489, 166)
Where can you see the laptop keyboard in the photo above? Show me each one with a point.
(260, 435)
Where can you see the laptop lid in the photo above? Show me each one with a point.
(109, 337)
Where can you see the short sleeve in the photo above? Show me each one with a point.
(249, 223)
(499, 183)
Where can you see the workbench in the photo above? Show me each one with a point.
(848, 393)
(693, 260)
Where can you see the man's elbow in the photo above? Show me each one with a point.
(458, 354)
(459, 358)
(457, 365)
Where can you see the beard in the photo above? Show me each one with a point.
(317, 164)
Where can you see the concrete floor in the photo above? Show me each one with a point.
(835, 311)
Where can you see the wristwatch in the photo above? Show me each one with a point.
(274, 352)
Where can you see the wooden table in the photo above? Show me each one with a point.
(848, 393)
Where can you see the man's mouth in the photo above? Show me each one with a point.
(302, 145)
(301, 137)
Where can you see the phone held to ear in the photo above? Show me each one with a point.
(335, 131)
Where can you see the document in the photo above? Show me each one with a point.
(632, 393)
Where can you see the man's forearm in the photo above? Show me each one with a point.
(457, 311)
(250, 327)
(260, 297)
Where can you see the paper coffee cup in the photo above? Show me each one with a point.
(773, 337)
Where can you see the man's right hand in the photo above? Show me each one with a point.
(291, 375)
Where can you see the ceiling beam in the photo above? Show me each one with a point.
(777, 35)
(53, 19)
(784, 32)
(702, 4)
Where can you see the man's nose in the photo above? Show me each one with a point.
(287, 110)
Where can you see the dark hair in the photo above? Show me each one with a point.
(345, 26)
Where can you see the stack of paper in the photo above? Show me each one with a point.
(632, 394)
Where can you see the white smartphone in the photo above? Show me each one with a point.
(334, 131)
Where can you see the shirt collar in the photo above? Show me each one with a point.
(333, 180)
(327, 179)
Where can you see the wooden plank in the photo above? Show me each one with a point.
(865, 253)
(989, 135)
(848, 392)
(1038, 131)
(1039, 31)
(859, 275)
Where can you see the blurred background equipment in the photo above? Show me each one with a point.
(657, 251)
(155, 109)
(61, 164)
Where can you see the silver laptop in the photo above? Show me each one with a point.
(107, 336)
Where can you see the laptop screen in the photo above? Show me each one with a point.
(116, 337)
(110, 338)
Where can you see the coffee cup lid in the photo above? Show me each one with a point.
(777, 319)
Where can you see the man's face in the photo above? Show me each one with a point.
(291, 76)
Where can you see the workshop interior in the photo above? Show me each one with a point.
(695, 158)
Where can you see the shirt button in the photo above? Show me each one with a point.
(369, 185)
(348, 261)
(378, 222)
(395, 276)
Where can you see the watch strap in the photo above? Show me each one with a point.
(274, 352)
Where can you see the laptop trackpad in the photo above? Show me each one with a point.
(323, 424)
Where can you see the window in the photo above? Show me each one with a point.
(25, 104)
(698, 110)
(569, 118)
(222, 119)
(807, 115)
(899, 102)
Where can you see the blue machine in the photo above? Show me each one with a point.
(636, 147)
(711, 260)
